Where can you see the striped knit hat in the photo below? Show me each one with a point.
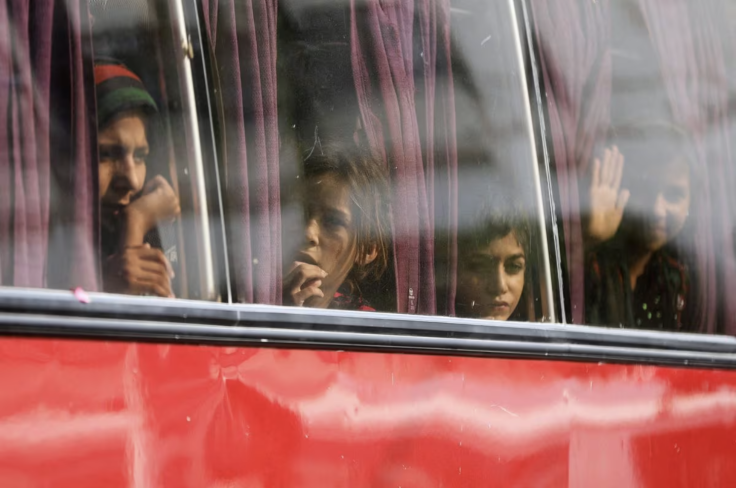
(119, 90)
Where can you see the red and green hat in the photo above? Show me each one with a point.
(119, 90)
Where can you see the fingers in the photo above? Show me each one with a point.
(596, 178)
(623, 199)
(156, 267)
(160, 181)
(156, 256)
(619, 169)
(157, 182)
(300, 296)
(150, 271)
(139, 270)
(152, 185)
(156, 284)
(609, 172)
(167, 202)
(304, 281)
(606, 169)
(303, 272)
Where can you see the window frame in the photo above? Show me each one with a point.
(545, 157)
(58, 314)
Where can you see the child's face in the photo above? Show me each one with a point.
(329, 236)
(660, 205)
(491, 280)
(123, 149)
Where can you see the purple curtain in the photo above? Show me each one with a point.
(48, 201)
(576, 68)
(243, 37)
(440, 139)
(691, 54)
(382, 36)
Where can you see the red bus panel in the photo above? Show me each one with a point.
(84, 413)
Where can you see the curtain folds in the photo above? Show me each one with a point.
(243, 36)
(404, 135)
(48, 203)
(692, 62)
(440, 145)
(576, 69)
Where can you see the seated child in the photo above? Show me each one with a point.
(491, 269)
(635, 276)
(344, 240)
(131, 206)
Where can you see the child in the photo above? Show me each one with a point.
(492, 270)
(345, 237)
(131, 207)
(635, 276)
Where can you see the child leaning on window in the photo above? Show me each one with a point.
(344, 239)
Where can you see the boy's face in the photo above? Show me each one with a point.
(123, 148)
(328, 234)
(491, 280)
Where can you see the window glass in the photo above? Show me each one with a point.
(155, 226)
(104, 186)
(379, 156)
(638, 101)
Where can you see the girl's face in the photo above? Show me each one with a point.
(329, 237)
(123, 149)
(491, 280)
(660, 206)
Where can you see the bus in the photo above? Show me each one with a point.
(265, 243)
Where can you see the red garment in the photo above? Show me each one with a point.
(345, 299)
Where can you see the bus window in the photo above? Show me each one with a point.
(639, 115)
(380, 157)
(103, 151)
(156, 234)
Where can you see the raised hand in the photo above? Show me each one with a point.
(607, 203)
(138, 270)
(303, 282)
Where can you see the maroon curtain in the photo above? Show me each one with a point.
(690, 48)
(382, 37)
(576, 66)
(48, 202)
(243, 36)
(440, 138)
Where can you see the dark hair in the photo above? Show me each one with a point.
(494, 219)
(148, 118)
(369, 192)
